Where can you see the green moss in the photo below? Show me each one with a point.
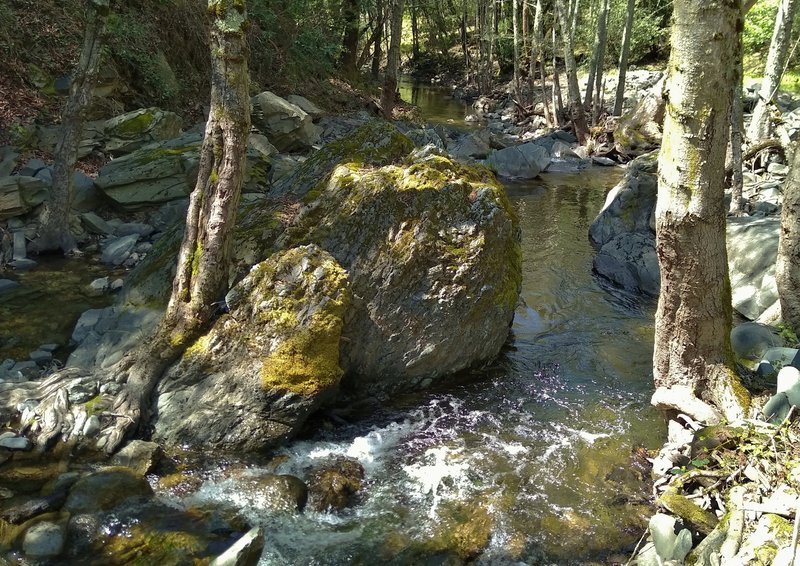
(704, 521)
(201, 346)
(139, 546)
(136, 125)
(198, 253)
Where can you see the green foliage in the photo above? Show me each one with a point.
(131, 44)
(758, 26)
(649, 36)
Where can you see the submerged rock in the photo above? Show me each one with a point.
(333, 486)
(245, 552)
(524, 161)
(262, 369)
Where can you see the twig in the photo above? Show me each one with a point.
(636, 548)
(794, 533)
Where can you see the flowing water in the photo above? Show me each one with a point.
(530, 459)
(535, 459)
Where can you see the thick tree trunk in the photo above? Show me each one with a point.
(393, 59)
(204, 256)
(623, 58)
(577, 112)
(788, 269)
(600, 55)
(693, 362)
(350, 15)
(54, 232)
(760, 125)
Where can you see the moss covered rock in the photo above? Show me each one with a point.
(133, 130)
(166, 171)
(265, 366)
(432, 249)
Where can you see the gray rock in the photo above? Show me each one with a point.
(23, 264)
(789, 383)
(8, 160)
(306, 106)
(776, 358)
(15, 443)
(167, 171)
(31, 167)
(425, 136)
(41, 357)
(245, 552)
(99, 285)
(133, 130)
(524, 161)
(286, 125)
(7, 285)
(778, 169)
(92, 426)
(630, 205)
(139, 455)
(777, 408)
(604, 161)
(19, 194)
(472, 146)
(752, 252)
(85, 324)
(751, 340)
(85, 196)
(128, 228)
(116, 251)
(49, 347)
(45, 175)
(670, 540)
(116, 285)
(44, 540)
(563, 151)
(629, 261)
(20, 245)
(28, 369)
(96, 225)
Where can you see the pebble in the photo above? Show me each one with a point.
(44, 540)
(41, 357)
(7, 285)
(16, 443)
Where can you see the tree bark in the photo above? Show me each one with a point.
(54, 232)
(693, 364)
(598, 60)
(204, 257)
(737, 125)
(623, 58)
(393, 59)
(577, 112)
(377, 54)
(414, 33)
(515, 25)
(350, 15)
(760, 125)
(558, 103)
(788, 269)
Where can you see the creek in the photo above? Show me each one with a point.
(534, 453)
(535, 459)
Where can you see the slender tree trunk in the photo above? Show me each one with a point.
(788, 269)
(577, 111)
(599, 58)
(350, 14)
(525, 26)
(694, 369)
(558, 103)
(377, 54)
(515, 19)
(204, 257)
(623, 58)
(737, 125)
(393, 59)
(414, 33)
(54, 232)
(760, 125)
(589, 94)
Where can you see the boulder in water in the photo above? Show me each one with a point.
(253, 379)
(524, 161)
(334, 485)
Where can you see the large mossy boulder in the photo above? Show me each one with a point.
(253, 379)
(639, 129)
(19, 194)
(167, 171)
(432, 249)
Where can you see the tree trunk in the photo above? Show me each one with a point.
(623, 58)
(54, 233)
(393, 59)
(377, 55)
(597, 108)
(760, 126)
(577, 112)
(350, 14)
(204, 257)
(787, 273)
(515, 24)
(558, 103)
(693, 365)
(737, 124)
(414, 33)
